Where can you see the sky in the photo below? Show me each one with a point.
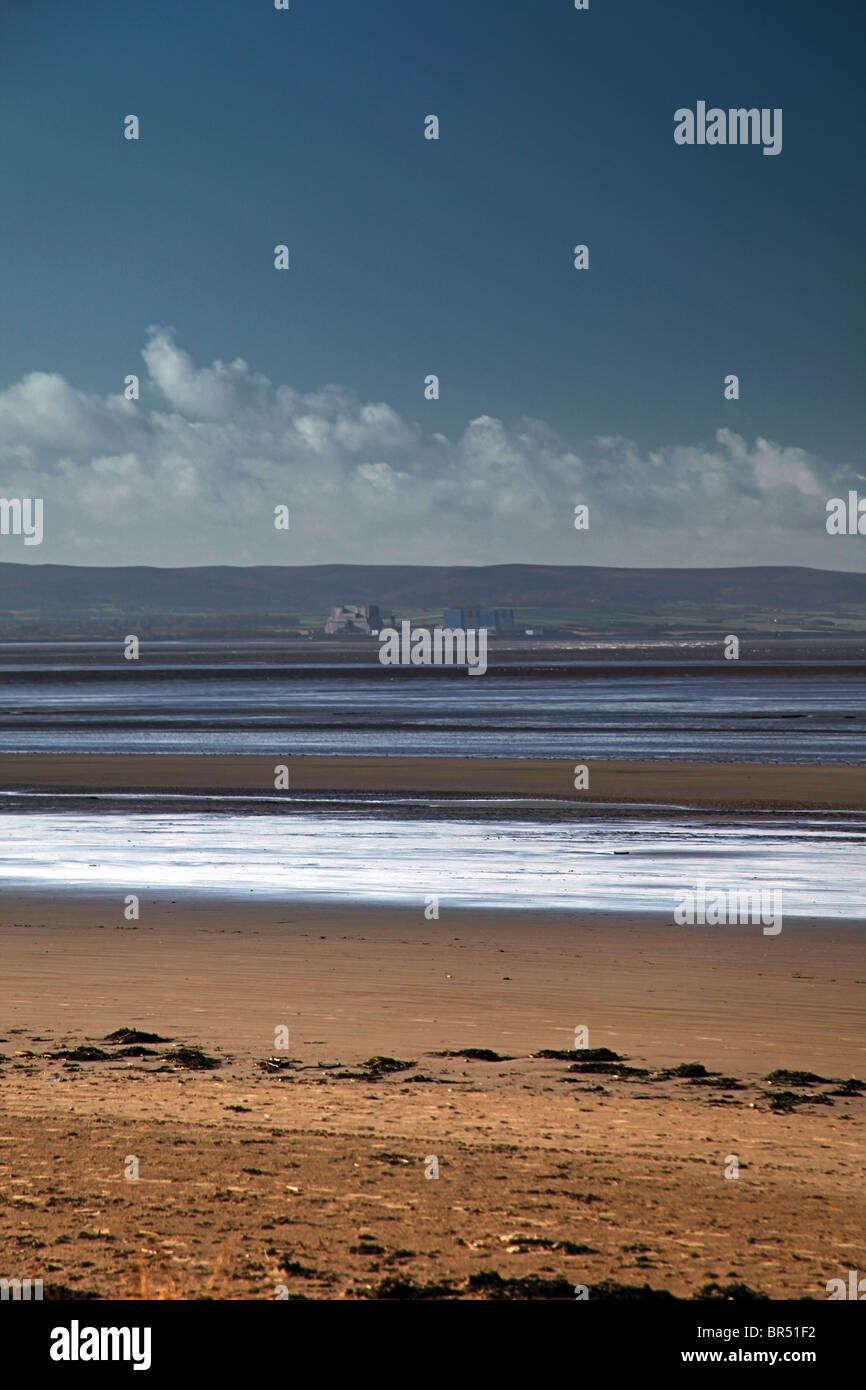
(408, 257)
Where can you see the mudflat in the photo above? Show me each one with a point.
(742, 786)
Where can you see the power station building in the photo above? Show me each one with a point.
(350, 618)
(500, 619)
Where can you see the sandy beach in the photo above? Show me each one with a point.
(304, 1071)
(305, 1176)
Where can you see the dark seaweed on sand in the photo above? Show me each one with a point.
(610, 1289)
(133, 1035)
(782, 1077)
(721, 1083)
(607, 1069)
(851, 1087)
(474, 1054)
(85, 1053)
(586, 1054)
(380, 1066)
(529, 1286)
(192, 1059)
(786, 1101)
(301, 1271)
(493, 1286)
(730, 1292)
(534, 1286)
(64, 1293)
(396, 1288)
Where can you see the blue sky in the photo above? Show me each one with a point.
(454, 257)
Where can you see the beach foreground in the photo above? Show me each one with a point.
(309, 1176)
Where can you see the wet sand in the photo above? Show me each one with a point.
(743, 786)
(313, 1177)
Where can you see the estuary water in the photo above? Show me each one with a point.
(492, 852)
(246, 703)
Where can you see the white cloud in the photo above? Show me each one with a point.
(191, 475)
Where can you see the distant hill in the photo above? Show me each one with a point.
(70, 600)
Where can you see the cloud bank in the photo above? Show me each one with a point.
(191, 473)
